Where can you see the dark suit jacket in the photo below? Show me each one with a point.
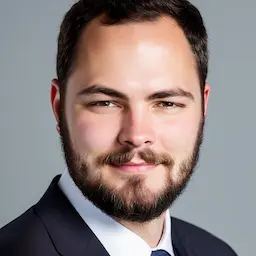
(52, 227)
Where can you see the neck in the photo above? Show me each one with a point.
(151, 232)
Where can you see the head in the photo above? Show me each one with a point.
(131, 89)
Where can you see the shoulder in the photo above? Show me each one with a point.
(25, 235)
(199, 240)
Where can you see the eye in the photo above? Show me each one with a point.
(105, 103)
(168, 104)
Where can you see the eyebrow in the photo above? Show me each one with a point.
(178, 92)
(100, 89)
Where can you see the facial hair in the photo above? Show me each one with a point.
(134, 202)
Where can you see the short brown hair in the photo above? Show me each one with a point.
(122, 11)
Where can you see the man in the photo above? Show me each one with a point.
(130, 100)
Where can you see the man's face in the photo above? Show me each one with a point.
(132, 122)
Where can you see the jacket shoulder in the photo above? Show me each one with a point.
(198, 240)
(26, 235)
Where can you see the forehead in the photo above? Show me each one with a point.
(153, 53)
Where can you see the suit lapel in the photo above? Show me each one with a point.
(177, 240)
(69, 233)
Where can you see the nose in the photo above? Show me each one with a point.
(137, 130)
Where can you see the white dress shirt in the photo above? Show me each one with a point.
(116, 238)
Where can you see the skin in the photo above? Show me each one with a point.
(137, 60)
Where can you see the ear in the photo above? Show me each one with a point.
(55, 101)
(207, 90)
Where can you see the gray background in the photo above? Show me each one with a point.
(220, 197)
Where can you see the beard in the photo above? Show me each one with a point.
(134, 201)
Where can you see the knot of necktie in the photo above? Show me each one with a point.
(160, 253)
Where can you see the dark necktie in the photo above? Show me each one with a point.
(160, 253)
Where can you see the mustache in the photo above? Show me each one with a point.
(125, 155)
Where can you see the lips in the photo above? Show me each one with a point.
(134, 167)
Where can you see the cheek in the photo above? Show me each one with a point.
(95, 133)
(179, 134)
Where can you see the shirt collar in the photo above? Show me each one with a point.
(117, 239)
